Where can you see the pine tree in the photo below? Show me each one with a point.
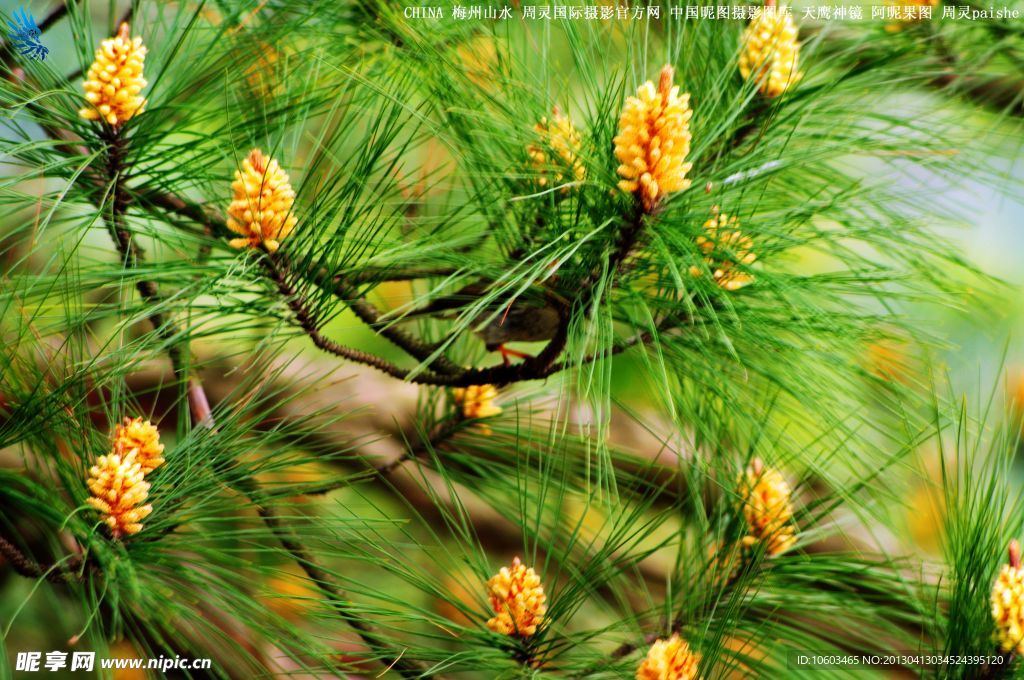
(340, 342)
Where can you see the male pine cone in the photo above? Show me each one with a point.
(114, 80)
(654, 140)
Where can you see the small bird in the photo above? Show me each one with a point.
(521, 320)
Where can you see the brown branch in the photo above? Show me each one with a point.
(343, 289)
(531, 369)
(67, 571)
(371, 316)
(133, 257)
(536, 368)
(304, 316)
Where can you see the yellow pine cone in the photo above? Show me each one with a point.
(770, 52)
(557, 135)
(1008, 603)
(477, 401)
(767, 509)
(654, 140)
(517, 600)
(669, 659)
(118, 493)
(114, 80)
(261, 74)
(261, 210)
(478, 60)
(721, 239)
(142, 437)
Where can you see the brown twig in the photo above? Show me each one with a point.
(531, 369)
(133, 256)
(412, 346)
(304, 316)
(67, 571)
(343, 289)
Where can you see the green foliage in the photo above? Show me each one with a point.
(281, 540)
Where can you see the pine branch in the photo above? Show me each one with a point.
(200, 407)
(305, 319)
(534, 368)
(414, 347)
(133, 255)
(66, 571)
(214, 223)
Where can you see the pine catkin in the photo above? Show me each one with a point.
(115, 80)
(767, 509)
(555, 155)
(770, 52)
(1008, 603)
(142, 437)
(654, 140)
(517, 600)
(669, 659)
(724, 247)
(119, 493)
(261, 210)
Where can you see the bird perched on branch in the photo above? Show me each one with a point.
(533, 318)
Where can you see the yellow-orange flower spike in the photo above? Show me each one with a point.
(669, 659)
(261, 210)
(262, 73)
(517, 600)
(767, 509)
(141, 436)
(654, 140)
(477, 401)
(558, 137)
(1008, 603)
(119, 493)
(114, 80)
(724, 247)
(770, 52)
